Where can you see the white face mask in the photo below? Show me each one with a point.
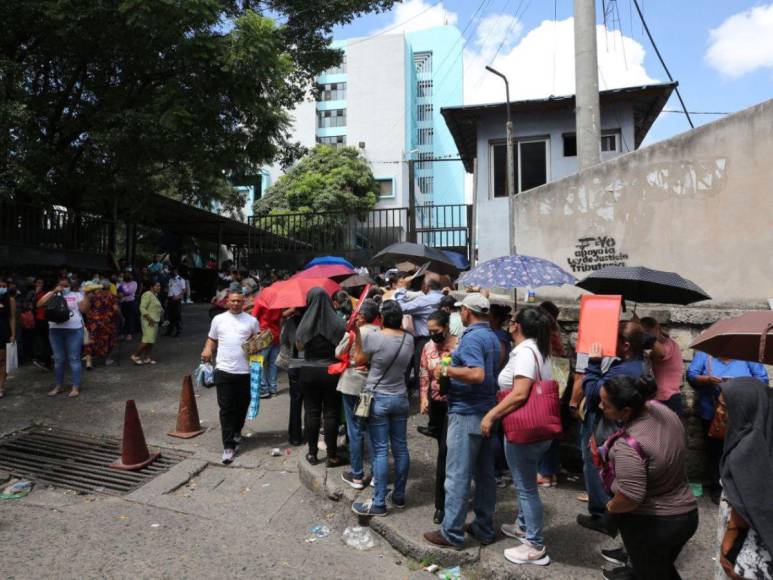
(3, 290)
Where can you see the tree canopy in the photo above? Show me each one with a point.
(108, 100)
(326, 179)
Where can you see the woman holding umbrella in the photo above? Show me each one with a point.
(318, 333)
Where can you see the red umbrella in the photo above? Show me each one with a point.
(332, 271)
(292, 293)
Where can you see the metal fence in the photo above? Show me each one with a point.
(339, 231)
(53, 227)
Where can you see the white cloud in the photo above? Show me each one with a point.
(418, 15)
(743, 43)
(497, 32)
(542, 63)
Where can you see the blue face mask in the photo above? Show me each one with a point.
(3, 290)
(65, 292)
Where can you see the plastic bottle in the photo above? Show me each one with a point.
(444, 382)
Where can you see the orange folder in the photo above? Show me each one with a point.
(599, 321)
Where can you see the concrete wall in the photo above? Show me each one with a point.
(699, 204)
(493, 212)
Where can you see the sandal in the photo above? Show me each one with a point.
(136, 360)
(55, 391)
(75, 392)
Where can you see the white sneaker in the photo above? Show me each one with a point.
(526, 553)
(228, 456)
(513, 531)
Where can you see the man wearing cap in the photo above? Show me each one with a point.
(472, 393)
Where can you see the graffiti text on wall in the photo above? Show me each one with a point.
(592, 254)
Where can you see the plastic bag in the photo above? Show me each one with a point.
(359, 538)
(204, 376)
(256, 374)
(11, 357)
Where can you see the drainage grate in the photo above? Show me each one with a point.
(77, 461)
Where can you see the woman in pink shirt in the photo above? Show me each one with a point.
(667, 366)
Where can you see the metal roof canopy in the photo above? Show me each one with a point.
(462, 121)
(183, 219)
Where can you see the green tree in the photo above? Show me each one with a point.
(105, 100)
(327, 179)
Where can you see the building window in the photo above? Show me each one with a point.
(332, 92)
(335, 141)
(424, 113)
(424, 89)
(425, 136)
(423, 62)
(426, 185)
(424, 161)
(531, 166)
(570, 145)
(340, 69)
(385, 187)
(331, 118)
(609, 143)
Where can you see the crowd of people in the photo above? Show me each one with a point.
(101, 310)
(472, 364)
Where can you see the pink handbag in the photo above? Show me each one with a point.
(539, 419)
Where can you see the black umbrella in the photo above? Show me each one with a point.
(409, 252)
(639, 284)
(357, 280)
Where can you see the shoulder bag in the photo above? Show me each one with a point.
(362, 411)
(539, 418)
(606, 465)
(718, 426)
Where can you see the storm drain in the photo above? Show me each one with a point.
(77, 461)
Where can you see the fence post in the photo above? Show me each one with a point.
(411, 202)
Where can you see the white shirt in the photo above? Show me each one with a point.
(73, 300)
(522, 363)
(230, 331)
(176, 287)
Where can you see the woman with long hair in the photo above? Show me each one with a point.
(529, 362)
(318, 333)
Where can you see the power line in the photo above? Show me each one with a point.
(696, 112)
(663, 62)
(394, 26)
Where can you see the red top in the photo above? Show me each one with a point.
(268, 318)
(40, 312)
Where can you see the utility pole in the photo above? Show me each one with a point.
(510, 163)
(412, 201)
(586, 75)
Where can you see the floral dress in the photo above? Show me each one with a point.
(101, 324)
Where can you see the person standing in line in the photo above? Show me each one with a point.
(528, 363)
(151, 313)
(318, 333)
(432, 402)
(472, 394)
(270, 319)
(41, 347)
(290, 320)
(67, 337)
(667, 365)
(350, 385)
(7, 328)
(388, 353)
(650, 496)
(174, 307)
(227, 333)
(127, 292)
(101, 324)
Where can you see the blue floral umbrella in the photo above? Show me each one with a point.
(516, 272)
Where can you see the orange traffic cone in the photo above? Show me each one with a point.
(188, 414)
(134, 450)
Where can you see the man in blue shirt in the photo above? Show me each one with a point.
(472, 393)
(628, 362)
(419, 308)
(705, 374)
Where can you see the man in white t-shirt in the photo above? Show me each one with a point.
(227, 333)
(174, 304)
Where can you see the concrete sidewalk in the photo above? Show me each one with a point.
(574, 551)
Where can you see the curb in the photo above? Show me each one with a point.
(327, 482)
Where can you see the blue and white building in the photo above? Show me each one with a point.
(385, 98)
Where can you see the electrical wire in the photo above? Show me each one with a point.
(394, 26)
(663, 62)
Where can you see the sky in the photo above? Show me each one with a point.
(720, 51)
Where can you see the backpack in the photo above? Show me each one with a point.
(57, 310)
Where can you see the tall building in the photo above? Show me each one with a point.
(385, 98)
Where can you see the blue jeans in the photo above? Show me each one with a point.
(470, 455)
(597, 497)
(67, 344)
(357, 435)
(270, 370)
(550, 464)
(388, 424)
(523, 459)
